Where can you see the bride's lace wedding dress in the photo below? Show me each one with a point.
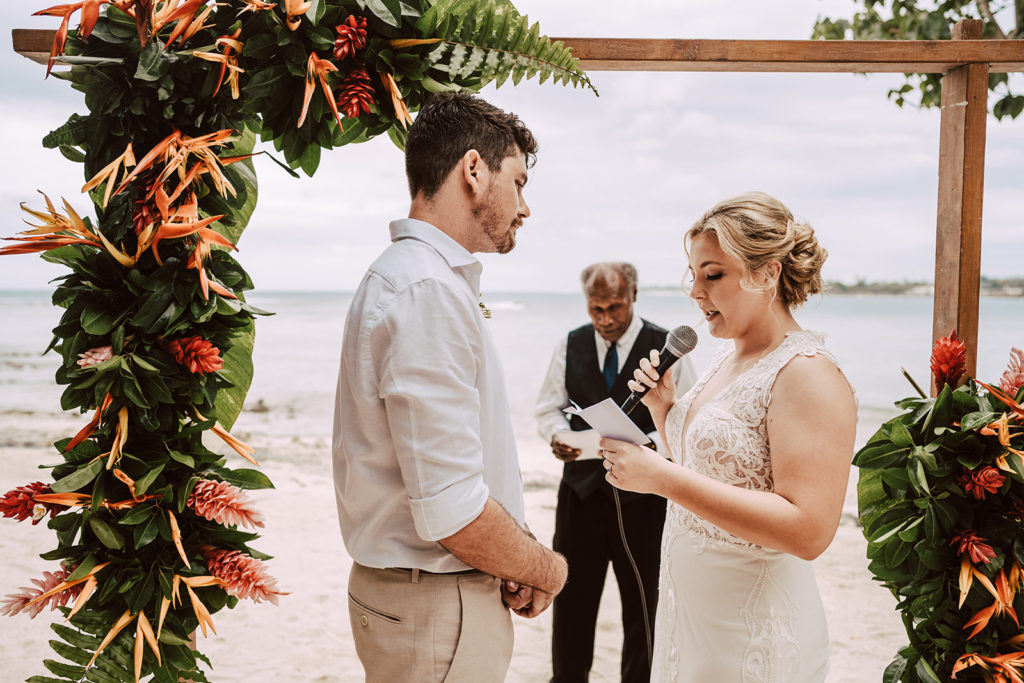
(730, 611)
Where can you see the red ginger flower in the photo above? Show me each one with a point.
(223, 503)
(355, 94)
(21, 504)
(983, 480)
(197, 354)
(949, 361)
(351, 37)
(1013, 379)
(973, 546)
(18, 602)
(243, 575)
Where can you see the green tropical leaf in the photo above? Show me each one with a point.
(388, 11)
(237, 369)
(77, 479)
(244, 478)
(106, 534)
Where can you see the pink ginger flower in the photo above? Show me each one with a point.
(95, 356)
(20, 503)
(18, 602)
(243, 576)
(1013, 379)
(223, 503)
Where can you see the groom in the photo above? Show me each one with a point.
(426, 473)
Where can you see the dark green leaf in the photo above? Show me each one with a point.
(77, 479)
(154, 62)
(388, 11)
(245, 478)
(106, 534)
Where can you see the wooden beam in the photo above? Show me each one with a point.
(641, 54)
(858, 56)
(961, 186)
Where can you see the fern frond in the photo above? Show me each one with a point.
(489, 41)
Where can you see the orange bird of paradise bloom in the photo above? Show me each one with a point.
(1005, 668)
(228, 59)
(317, 69)
(202, 614)
(88, 429)
(256, 6)
(90, 585)
(60, 230)
(188, 23)
(1003, 593)
(240, 447)
(401, 111)
(90, 15)
(295, 9)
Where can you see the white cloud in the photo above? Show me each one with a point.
(620, 176)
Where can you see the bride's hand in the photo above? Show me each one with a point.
(631, 467)
(661, 390)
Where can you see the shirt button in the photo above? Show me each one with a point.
(363, 620)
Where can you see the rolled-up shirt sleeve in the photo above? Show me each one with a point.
(427, 367)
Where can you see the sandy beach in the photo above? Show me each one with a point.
(307, 637)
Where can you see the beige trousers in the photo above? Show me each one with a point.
(418, 627)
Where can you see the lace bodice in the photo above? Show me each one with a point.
(727, 438)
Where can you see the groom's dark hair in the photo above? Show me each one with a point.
(450, 125)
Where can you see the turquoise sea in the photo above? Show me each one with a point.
(296, 353)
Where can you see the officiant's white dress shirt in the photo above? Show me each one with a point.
(422, 431)
(553, 397)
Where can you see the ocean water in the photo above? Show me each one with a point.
(297, 351)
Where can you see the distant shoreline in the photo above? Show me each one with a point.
(990, 287)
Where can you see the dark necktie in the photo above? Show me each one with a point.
(611, 366)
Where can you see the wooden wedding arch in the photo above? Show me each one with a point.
(965, 62)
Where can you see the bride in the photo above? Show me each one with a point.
(761, 449)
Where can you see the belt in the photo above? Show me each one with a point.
(424, 571)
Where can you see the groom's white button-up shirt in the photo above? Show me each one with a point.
(422, 431)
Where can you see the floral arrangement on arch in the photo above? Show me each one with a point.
(941, 497)
(153, 527)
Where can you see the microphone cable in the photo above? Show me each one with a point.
(639, 579)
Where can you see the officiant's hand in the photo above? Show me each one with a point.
(564, 452)
(661, 390)
(631, 467)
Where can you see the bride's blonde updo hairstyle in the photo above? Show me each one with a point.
(757, 228)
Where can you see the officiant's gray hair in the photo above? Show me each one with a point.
(615, 275)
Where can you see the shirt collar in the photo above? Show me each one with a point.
(451, 251)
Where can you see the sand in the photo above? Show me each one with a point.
(307, 637)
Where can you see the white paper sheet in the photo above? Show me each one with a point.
(588, 441)
(607, 419)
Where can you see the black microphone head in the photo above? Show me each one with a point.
(681, 341)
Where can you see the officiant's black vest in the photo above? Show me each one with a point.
(586, 386)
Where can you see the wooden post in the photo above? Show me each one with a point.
(961, 185)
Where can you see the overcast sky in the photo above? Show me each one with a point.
(618, 177)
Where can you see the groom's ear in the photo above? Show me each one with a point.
(473, 171)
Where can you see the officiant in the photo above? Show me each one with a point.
(591, 363)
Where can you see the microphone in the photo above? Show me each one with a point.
(679, 342)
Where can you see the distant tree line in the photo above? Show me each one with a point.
(989, 287)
